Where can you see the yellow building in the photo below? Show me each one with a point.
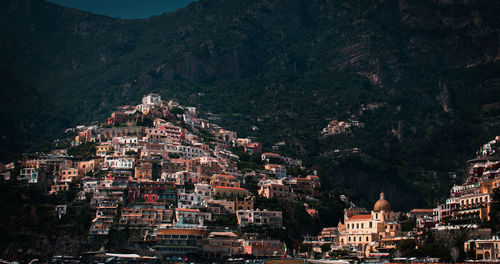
(361, 230)
(102, 150)
(484, 249)
(224, 180)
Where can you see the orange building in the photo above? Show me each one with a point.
(224, 180)
(229, 191)
(144, 171)
(246, 203)
(315, 181)
(69, 175)
(302, 185)
(140, 217)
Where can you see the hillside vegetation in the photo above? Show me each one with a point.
(284, 67)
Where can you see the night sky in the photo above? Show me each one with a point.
(126, 9)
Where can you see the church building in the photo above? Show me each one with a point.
(360, 231)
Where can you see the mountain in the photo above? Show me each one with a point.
(284, 68)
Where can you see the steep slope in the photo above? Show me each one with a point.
(28, 117)
(287, 68)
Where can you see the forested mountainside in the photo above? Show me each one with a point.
(423, 78)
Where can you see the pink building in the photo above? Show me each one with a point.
(262, 247)
(117, 117)
(274, 189)
(302, 185)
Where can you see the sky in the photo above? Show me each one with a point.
(126, 9)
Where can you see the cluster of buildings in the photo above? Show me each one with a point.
(363, 234)
(377, 233)
(470, 204)
(181, 193)
(336, 127)
(170, 176)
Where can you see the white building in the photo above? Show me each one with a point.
(176, 178)
(29, 174)
(185, 152)
(148, 102)
(196, 198)
(152, 99)
(191, 216)
(119, 163)
(260, 218)
(170, 131)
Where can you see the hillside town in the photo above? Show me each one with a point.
(171, 177)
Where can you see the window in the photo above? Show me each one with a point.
(370, 225)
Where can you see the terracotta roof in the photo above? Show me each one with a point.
(303, 179)
(361, 217)
(228, 234)
(187, 210)
(421, 211)
(226, 175)
(382, 204)
(181, 231)
(271, 154)
(230, 188)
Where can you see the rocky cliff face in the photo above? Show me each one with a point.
(213, 40)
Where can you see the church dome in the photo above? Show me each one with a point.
(382, 204)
